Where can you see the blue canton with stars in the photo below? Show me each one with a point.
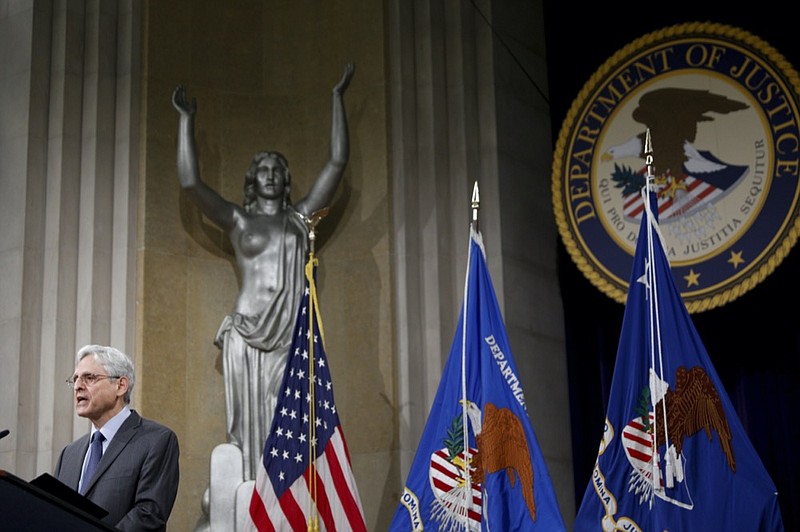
(286, 451)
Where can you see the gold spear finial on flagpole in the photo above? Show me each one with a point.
(476, 202)
(311, 224)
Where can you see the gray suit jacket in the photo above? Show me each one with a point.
(137, 478)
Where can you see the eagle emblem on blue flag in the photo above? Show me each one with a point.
(501, 447)
(693, 406)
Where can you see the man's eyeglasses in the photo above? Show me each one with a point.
(88, 379)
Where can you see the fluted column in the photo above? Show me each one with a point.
(68, 183)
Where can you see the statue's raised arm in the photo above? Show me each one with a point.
(214, 206)
(324, 188)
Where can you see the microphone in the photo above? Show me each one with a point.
(4, 433)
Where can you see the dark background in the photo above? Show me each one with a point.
(753, 341)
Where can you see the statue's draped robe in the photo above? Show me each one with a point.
(255, 350)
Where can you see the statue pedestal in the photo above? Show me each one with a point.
(226, 504)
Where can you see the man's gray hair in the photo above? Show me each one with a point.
(114, 362)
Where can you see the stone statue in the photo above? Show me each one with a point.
(269, 236)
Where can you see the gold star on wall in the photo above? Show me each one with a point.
(692, 278)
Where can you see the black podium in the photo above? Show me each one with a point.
(25, 506)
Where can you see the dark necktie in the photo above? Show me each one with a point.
(95, 454)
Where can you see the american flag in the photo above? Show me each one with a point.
(292, 492)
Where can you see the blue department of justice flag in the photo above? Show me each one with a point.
(478, 465)
(673, 453)
(305, 481)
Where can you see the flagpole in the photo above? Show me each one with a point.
(650, 278)
(466, 502)
(463, 506)
(656, 355)
(311, 224)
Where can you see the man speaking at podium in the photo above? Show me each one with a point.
(130, 468)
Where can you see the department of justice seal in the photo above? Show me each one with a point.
(722, 108)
